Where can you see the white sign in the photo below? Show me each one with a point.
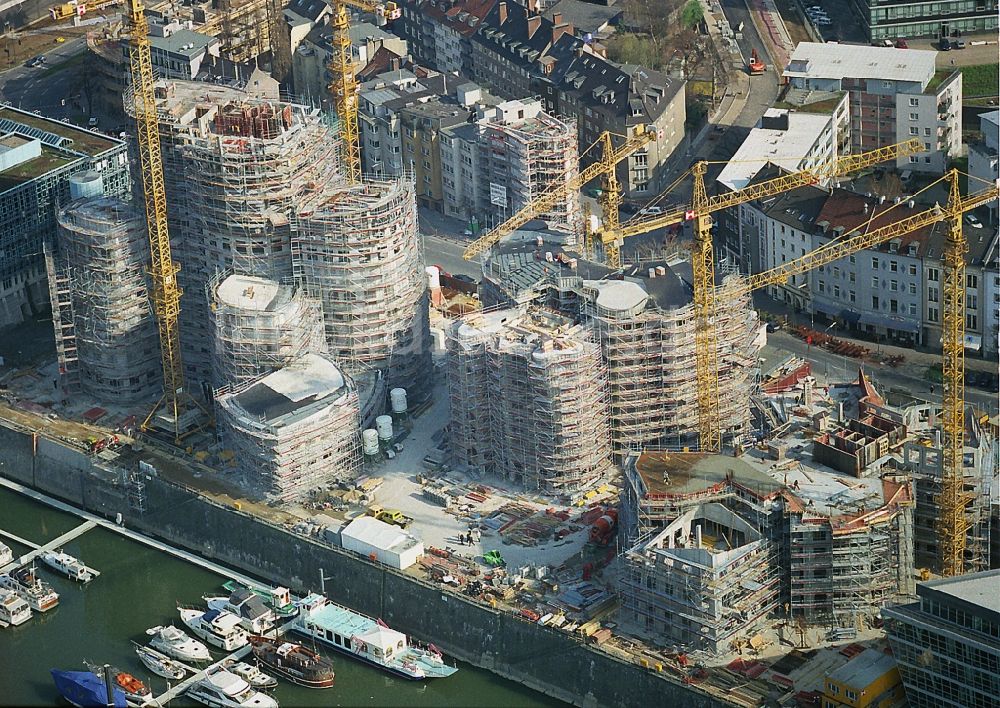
(498, 194)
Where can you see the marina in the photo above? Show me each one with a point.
(100, 621)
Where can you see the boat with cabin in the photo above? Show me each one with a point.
(160, 664)
(68, 566)
(36, 592)
(223, 689)
(14, 609)
(217, 627)
(294, 662)
(367, 639)
(85, 689)
(136, 692)
(174, 642)
(278, 600)
(6, 555)
(251, 674)
(254, 615)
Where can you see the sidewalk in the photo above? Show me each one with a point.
(922, 357)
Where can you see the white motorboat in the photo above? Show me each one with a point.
(68, 566)
(255, 616)
(6, 555)
(221, 629)
(25, 582)
(160, 664)
(173, 642)
(14, 609)
(252, 674)
(224, 689)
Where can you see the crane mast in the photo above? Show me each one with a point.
(166, 292)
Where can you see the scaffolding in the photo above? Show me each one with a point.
(235, 170)
(106, 336)
(294, 431)
(357, 249)
(259, 326)
(528, 392)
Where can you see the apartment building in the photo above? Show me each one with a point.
(983, 156)
(947, 644)
(178, 52)
(516, 53)
(895, 94)
(868, 680)
(890, 19)
(512, 153)
(440, 31)
(311, 60)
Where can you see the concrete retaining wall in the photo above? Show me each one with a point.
(544, 659)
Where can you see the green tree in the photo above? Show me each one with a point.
(692, 14)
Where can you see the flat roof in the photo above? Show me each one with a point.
(306, 381)
(76, 139)
(248, 292)
(812, 60)
(49, 161)
(177, 42)
(864, 669)
(784, 148)
(690, 472)
(977, 589)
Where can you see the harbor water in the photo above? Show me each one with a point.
(140, 587)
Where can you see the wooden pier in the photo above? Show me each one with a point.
(50, 546)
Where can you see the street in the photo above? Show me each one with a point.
(44, 88)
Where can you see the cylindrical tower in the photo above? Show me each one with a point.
(358, 251)
(259, 326)
(103, 244)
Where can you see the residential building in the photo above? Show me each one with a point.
(37, 157)
(512, 153)
(177, 52)
(791, 140)
(895, 95)
(587, 18)
(983, 157)
(516, 53)
(991, 300)
(440, 31)
(301, 16)
(891, 19)
(868, 680)
(947, 644)
(311, 59)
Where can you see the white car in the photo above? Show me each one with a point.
(972, 221)
(652, 211)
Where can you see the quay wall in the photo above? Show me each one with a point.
(544, 659)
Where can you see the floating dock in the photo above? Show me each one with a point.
(50, 546)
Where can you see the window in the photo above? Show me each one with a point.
(893, 267)
(914, 116)
(933, 274)
(970, 322)
(912, 289)
(912, 269)
(914, 130)
(894, 306)
(874, 263)
(971, 281)
(914, 102)
(852, 277)
(853, 260)
(836, 291)
(851, 695)
(913, 309)
(852, 296)
(927, 132)
(932, 294)
(932, 314)
(822, 286)
(874, 302)
(971, 302)
(874, 281)
(894, 285)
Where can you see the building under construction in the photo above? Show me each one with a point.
(259, 326)
(357, 249)
(528, 393)
(643, 318)
(294, 430)
(106, 337)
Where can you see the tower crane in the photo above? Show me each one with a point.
(345, 85)
(610, 157)
(952, 526)
(163, 270)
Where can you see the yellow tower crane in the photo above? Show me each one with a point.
(605, 165)
(345, 85)
(163, 270)
(703, 261)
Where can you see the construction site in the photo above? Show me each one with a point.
(529, 401)
(106, 340)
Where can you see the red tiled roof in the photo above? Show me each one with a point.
(847, 209)
(448, 15)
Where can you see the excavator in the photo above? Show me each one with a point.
(755, 66)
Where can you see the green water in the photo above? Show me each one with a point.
(139, 587)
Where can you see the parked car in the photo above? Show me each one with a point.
(944, 45)
(958, 44)
(972, 221)
(901, 44)
(883, 43)
(652, 211)
(92, 123)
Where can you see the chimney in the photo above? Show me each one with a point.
(503, 12)
(557, 18)
(558, 30)
(534, 23)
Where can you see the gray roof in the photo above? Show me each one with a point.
(976, 591)
(865, 668)
(181, 38)
(584, 16)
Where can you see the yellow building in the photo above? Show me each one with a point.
(869, 680)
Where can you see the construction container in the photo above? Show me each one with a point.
(369, 442)
(433, 277)
(383, 425)
(397, 399)
(86, 185)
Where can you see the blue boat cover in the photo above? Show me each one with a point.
(86, 689)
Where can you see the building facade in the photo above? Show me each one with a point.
(983, 155)
(891, 19)
(37, 157)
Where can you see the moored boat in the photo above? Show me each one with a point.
(254, 615)
(14, 609)
(85, 689)
(368, 640)
(279, 599)
(176, 643)
(160, 664)
(6, 555)
(293, 661)
(251, 674)
(136, 692)
(68, 566)
(219, 628)
(25, 582)
(224, 689)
